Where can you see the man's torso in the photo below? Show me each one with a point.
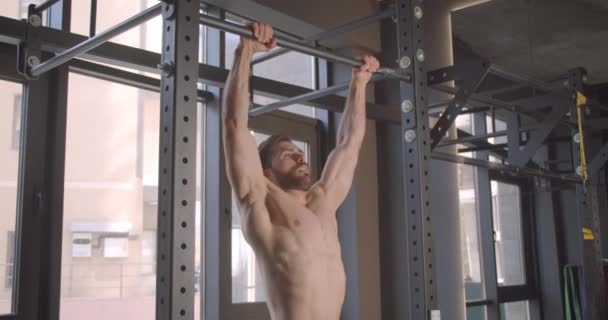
(300, 260)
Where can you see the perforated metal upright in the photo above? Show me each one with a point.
(589, 255)
(177, 166)
(416, 161)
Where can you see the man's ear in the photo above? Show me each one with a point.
(267, 173)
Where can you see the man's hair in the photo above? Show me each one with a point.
(265, 149)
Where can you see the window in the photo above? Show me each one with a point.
(10, 97)
(476, 313)
(515, 311)
(508, 234)
(105, 198)
(112, 12)
(110, 200)
(17, 107)
(10, 260)
(469, 229)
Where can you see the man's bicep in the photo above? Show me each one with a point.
(338, 173)
(242, 161)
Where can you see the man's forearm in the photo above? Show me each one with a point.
(352, 124)
(236, 91)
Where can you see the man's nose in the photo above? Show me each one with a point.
(299, 157)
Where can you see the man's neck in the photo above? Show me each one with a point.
(299, 195)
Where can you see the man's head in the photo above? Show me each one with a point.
(284, 163)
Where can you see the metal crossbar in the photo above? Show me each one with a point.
(330, 33)
(297, 46)
(99, 39)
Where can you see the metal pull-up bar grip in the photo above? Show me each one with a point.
(297, 46)
(330, 33)
(96, 41)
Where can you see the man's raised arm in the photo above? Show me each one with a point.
(242, 160)
(338, 174)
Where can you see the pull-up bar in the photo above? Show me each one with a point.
(304, 97)
(297, 46)
(330, 33)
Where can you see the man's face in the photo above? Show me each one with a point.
(289, 169)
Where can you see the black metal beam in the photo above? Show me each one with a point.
(499, 146)
(470, 73)
(478, 303)
(416, 161)
(136, 80)
(93, 19)
(177, 162)
(502, 154)
(588, 256)
(12, 31)
(519, 155)
(498, 104)
(497, 166)
(473, 138)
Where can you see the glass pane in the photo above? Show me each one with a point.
(111, 202)
(300, 109)
(515, 311)
(10, 132)
(508, 237)
(293, 68)
(247, 285)
(476, 313)
(499, 126)
(17, 9)
(469, 230)
(112, 12)
(198, 212)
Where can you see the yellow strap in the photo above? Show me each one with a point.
(581, 101)
(587, 234)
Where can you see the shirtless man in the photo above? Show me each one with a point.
(290, 222)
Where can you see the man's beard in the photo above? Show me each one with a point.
(295, 181)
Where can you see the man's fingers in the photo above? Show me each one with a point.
(255, 29)
(269, 33)
(262, 37)
(273, 43)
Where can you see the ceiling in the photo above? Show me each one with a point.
(540, 39)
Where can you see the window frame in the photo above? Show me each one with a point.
(528, 290)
